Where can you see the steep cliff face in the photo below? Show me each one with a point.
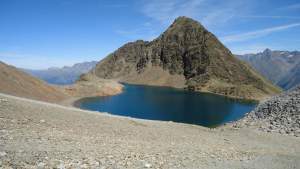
(185, 55)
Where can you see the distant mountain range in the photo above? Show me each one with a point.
(280, 67)
(64, 75)
(188, 56)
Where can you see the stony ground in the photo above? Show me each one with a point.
(279, 114)
(41, 135)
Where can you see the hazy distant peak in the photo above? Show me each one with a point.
(267, 51)
(63, 75)
(278, 66)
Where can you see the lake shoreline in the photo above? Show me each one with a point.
(260, 99)
(188, 104)
(72, 103)
(256, 99)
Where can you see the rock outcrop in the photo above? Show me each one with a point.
(186, 55)
(90, 86)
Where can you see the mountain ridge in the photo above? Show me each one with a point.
(64, 75)
(275, 65)
(292, 79)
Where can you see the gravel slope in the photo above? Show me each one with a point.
(34, 134)
(279, 114)
(15, 82)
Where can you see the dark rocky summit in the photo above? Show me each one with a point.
(186, 55)
(278, 114)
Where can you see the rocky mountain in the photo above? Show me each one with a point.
(15, 82)
(64, 75)
(275, 65)
(186, 55)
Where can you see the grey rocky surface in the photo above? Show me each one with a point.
(280, 114)
(41, 135)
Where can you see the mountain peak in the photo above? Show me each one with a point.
(267, 51)
(183, 26)
(186, 55)
(183, 20)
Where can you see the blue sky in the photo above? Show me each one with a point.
(43, 33)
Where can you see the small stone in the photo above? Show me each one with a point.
(281, 131)
(41, 165)
(61, 166)
(3, 100)
(84, 166)
(42, 121)
(2, 154)
(110, 156)
(147, 165)
(96, 163)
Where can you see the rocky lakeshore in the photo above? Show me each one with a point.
(279, 114)
(36, 134)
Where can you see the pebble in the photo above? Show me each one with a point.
(147, 165)
(41, 165)
(61, 166)
(2, 154)
(3, 100)
(279, 114)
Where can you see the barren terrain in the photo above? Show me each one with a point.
(36, 134)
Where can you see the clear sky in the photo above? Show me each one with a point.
(44, 33)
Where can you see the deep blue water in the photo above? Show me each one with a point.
(169, 104)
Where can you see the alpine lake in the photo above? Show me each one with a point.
(170, 104)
